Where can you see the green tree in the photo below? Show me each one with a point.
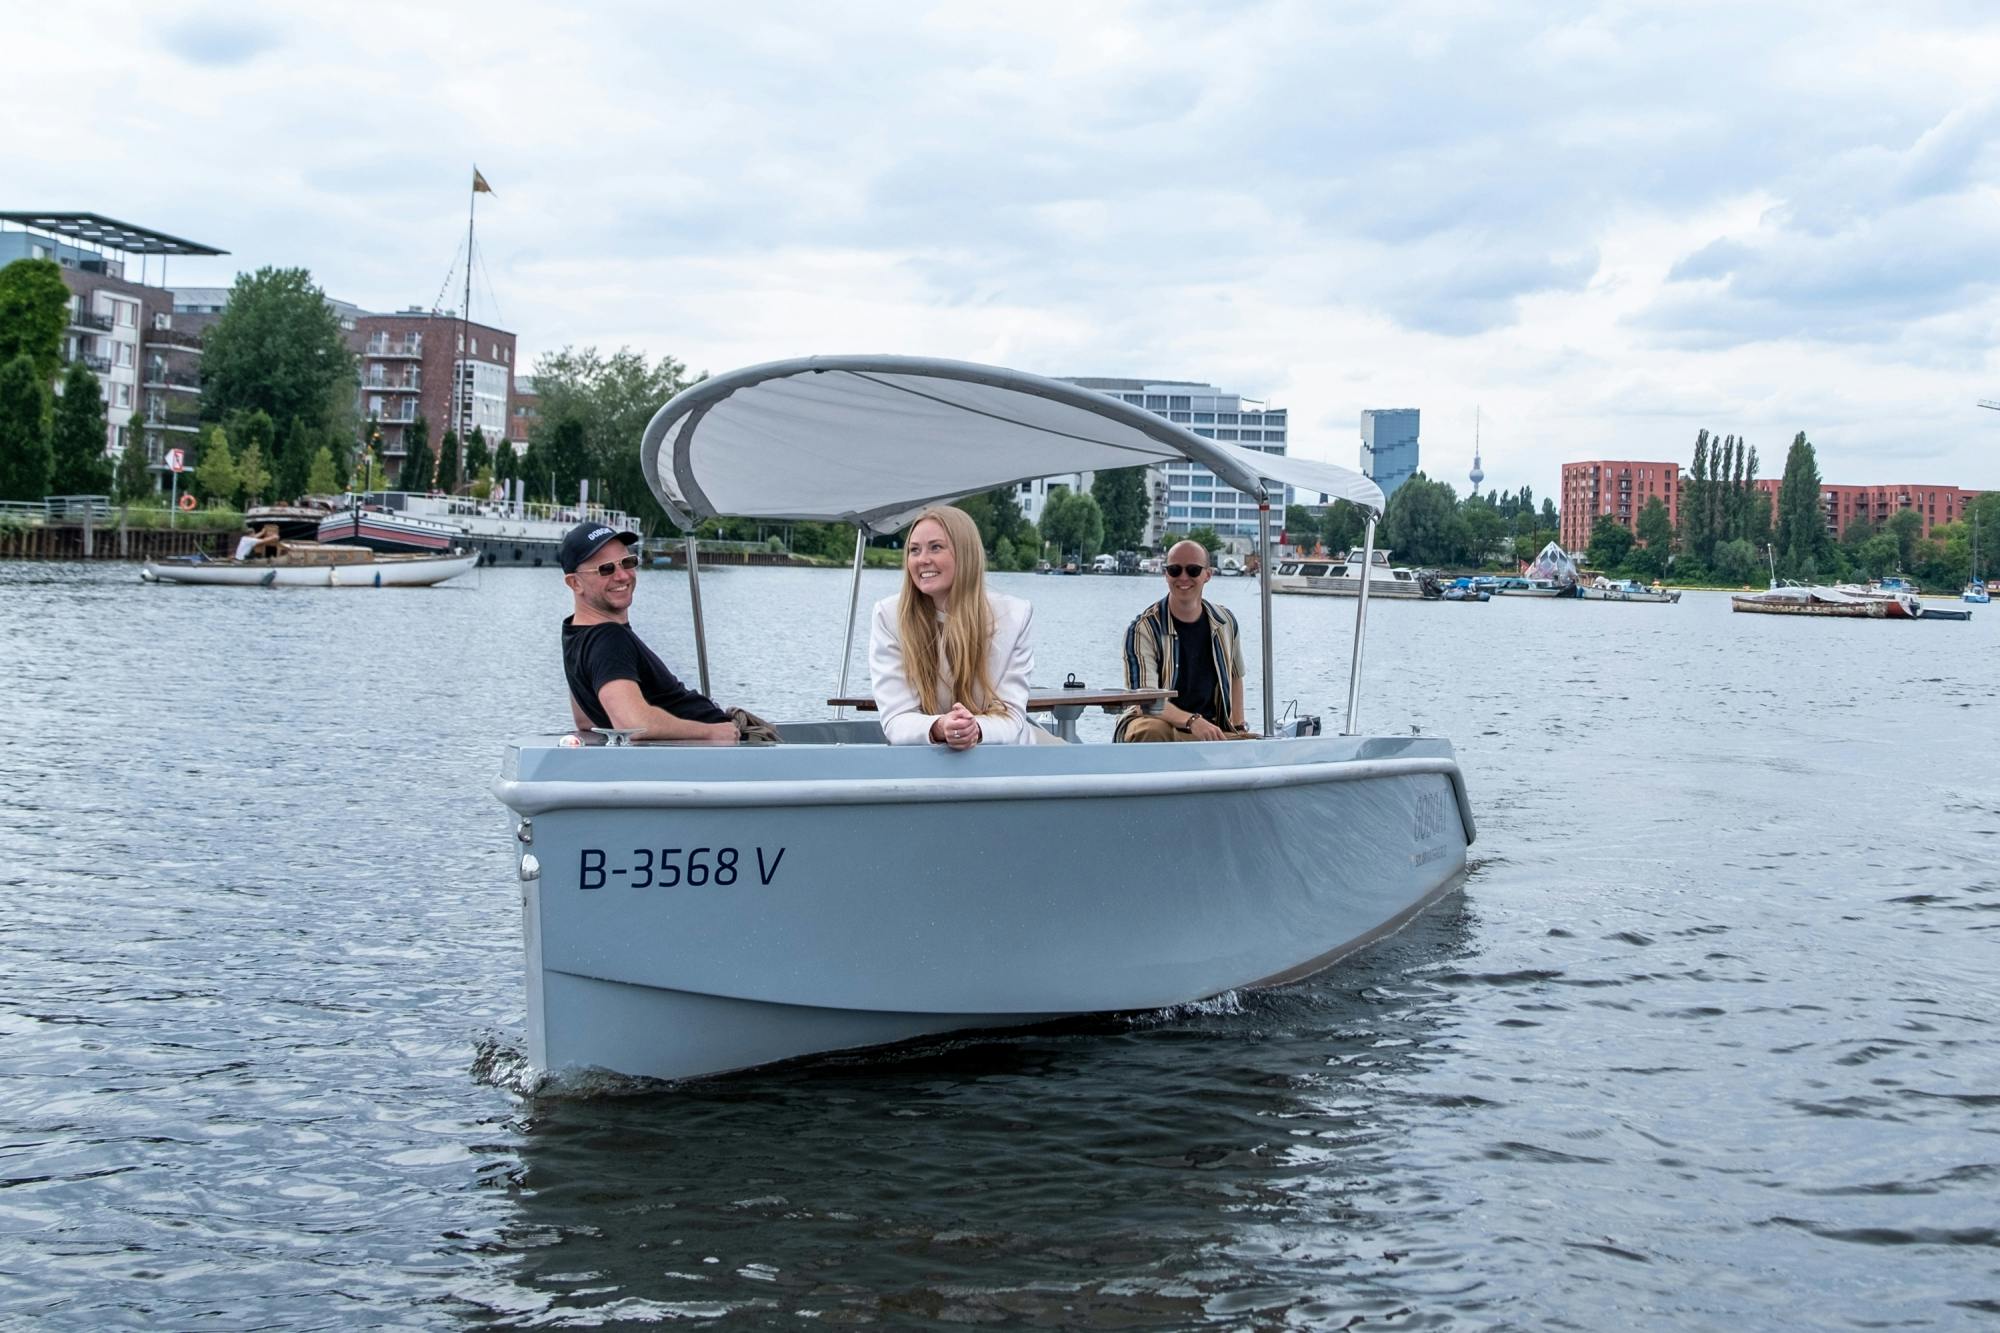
(612, 398)
(1610, 542)
(1301, 526)
(1072, 524)
(1419, 522)
(77, 440)
(1656, 530)
(1208, 539)
(1736, 561)
(26, 460)
(568, 458)
(252, 477)
(320, 478)
(1342, 525)
(215, 476)
(446, 477)
(291, 461)
(133, 480)
(1121, 498)
(277, 348)
(417, 460)
(34, 310)
(1906, 526)
(1804, 548)
(1484, 529)
(478, 457)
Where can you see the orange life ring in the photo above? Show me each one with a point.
(187, 502)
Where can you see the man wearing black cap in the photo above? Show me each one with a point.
(614, 679)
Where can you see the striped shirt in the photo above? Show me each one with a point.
(1152, 656)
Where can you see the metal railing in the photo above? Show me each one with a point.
(413, 346)
(409, 384)
(174, 338)
(58, 509)
(159, 377)
(84, 319)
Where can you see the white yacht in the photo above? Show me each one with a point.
(1340, 576)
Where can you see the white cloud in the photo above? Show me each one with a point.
(1605, 225)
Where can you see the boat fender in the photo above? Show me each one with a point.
(378, 578)
(269, 578)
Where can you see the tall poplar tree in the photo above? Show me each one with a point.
(1803, 545)
(26, 461)
(81, 466)
(34, 308)
(1121, 498)
(445, 478)
(416, 470)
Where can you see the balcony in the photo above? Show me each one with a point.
(99, 364)
(164, 413)
(83, 319)
(399, 415)
(173, 338)
(159, 377)
(411, 346)
(410, 383)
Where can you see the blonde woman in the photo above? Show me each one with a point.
(949, 661)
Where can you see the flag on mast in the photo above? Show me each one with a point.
(479, 185)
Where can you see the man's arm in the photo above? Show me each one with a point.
(628, 708)
(583, 722)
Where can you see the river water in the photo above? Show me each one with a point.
(1710, 1040)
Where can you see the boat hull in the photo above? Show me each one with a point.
(1626, 595)
(380, 572)
(1853, 610)
(1346, 587)
(879, 893)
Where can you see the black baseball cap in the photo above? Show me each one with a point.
(586, 540)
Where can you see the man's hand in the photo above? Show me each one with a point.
(1204, 730)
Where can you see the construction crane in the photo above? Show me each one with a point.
(1988, 402)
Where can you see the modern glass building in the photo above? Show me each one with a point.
(1187, 495)
(1389, 447)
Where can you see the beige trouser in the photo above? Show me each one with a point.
(1153, 727)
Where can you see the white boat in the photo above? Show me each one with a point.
(690, 910)
(310, 565)
(1538, 588)
(1898, 596)
(499, 532)
(1797, 599)
(1341, 576)
(1975, 587)
(1625, 590)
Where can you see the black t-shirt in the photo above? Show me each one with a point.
(595, 655)
(1194, 677)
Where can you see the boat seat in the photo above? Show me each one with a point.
(835, 731)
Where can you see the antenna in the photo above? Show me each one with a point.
(1478, 473)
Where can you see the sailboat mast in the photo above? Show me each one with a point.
(464, 412)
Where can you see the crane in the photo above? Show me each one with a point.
(1988, 402)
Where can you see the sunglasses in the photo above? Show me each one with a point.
(610, 567)
(1192, 571)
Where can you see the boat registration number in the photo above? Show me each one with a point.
(677, 867)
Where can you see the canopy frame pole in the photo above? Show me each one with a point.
(1360, 626)
(853, 602)
(1264, 597)
(694, 595)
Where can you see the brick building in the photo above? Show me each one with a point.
(1845, 504)
(525, 415)
(121, 326)
(1617, 487)
(411, 362)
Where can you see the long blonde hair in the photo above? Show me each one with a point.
(961, 639)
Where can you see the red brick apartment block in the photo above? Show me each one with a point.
(408, 364)
(1616, 487)
(1844, 504)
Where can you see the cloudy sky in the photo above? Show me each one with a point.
(1604, 227)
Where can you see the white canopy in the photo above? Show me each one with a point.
(872, 439)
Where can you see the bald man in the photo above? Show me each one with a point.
(1184, 644)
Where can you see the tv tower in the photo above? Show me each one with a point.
(1478, 473)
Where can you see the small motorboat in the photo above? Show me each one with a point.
(315, 565)
(1625, 590)
(1797, 599)
(693, 909)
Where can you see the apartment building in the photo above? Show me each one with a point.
(121, 325)
(1845, 504)
(425, 362)
(1618, 487)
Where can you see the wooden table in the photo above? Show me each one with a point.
(1067, 705)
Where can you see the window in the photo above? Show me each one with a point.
(1177, 511)
(128, 313)
(1200, 511)
(1205, 418)
(121, 394)
(1226, 418)
(1179, 401)
(1225, 435)
(1156, 402)
(1181, 417)
(124, 354)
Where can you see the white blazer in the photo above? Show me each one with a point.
(1009, 655)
